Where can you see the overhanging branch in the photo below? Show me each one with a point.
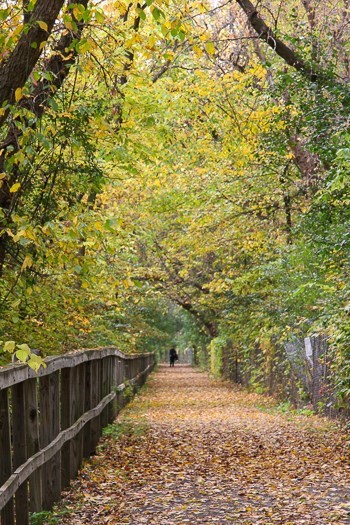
(265, 33)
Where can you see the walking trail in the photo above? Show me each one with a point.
(191, 450)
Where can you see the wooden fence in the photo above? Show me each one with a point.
(51, 420)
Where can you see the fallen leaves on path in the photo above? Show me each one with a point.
(197, 451)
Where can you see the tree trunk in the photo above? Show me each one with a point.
(15, 70)
(312, 73)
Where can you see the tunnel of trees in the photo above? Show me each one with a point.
(176, 172)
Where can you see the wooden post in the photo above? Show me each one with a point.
(132, 368)
(85, 380)
(140, 363)
(104, 389)
(75, 413)
(7, 513)
(110, 361)
(66, 421)
(49, 428)
(114, 404)
(88, 445)
(33, 443)
(125, 370)
(142, 367)
(80, 395)
(95, 399)
(20, 450)
(120, 380)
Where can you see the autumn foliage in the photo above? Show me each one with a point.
(176, 173)
(191, 450)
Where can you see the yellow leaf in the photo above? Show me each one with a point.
(43, 25)
(15, 187)
(122, 7)
(27, 263)
(43, 44)
(69, 25)
(18, 94)
(17, 31)
(210, 48)
(100, 17)
(197, 50)
(98, 225)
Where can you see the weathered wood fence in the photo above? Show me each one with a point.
(51, 420)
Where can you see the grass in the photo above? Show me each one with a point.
(47, 517)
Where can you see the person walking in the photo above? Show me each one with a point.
(173, 356)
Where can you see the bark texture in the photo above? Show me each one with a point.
(15, 70)
(265, 33)
(14, 74)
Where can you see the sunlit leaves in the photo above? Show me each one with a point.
(165, 170)
(23, 353)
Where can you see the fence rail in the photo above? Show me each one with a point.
(51, 420)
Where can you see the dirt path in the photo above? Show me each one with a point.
(196, 451)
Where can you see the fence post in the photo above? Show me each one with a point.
(95, 399)
(7, 513)
(140, 368)
(109, 388)
(49, 428)
(20, 450)
(88, 445)
(113, 384)
(67, 389)
(104, 389)
(66, 421)
(80, 406)
(33, 443)
(77, 404)
(119, 381)
(126, 370)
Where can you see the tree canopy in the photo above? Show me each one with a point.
(175, 172)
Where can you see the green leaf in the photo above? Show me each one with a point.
(34, 364)
(100, 17)
(4, 14)
(21, 355)
(210, 48)
(9, 346)
(25, 348)
(157, 13)
(141, 13)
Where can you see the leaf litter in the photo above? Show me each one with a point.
(193, 450)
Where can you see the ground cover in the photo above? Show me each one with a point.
(193, 450)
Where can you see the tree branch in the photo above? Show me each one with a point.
(266, 34)
(57, 66)
(15, 70)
